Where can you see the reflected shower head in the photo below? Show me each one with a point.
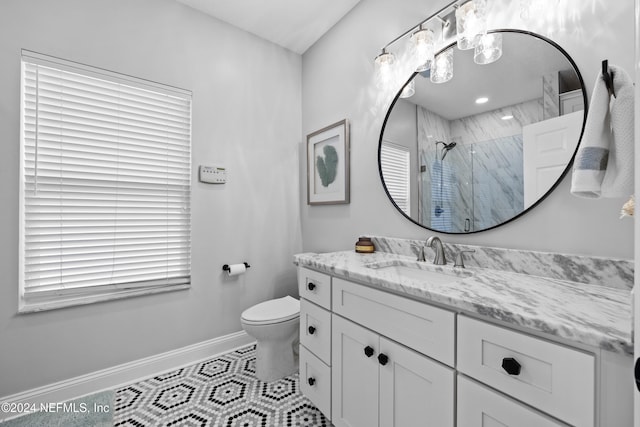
(446, 149)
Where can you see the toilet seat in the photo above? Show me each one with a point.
(273, 311)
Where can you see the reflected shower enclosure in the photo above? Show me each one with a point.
(458, 202)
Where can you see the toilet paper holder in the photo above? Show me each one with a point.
(227, 268)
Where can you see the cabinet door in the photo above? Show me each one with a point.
(354, 382)
(414, 390)
(478, 406)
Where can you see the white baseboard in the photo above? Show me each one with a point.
(127, 373)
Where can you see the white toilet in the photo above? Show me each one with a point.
(275, 326)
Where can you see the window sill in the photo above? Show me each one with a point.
(53, 304)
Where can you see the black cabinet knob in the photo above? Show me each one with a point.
(383, 359)
(368, 351)
(511, 366)
(636, 371)
(311, 381)
(311, 330)
(311, 286)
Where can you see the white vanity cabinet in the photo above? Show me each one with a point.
(385, 360)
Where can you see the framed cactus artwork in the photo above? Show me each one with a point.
(328, 165)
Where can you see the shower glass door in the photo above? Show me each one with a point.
(473, 187)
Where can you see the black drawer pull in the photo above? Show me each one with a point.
(383, 359)
(311, 286)
(311, 330)
(368, 351)
(311, 381)
(511, 366)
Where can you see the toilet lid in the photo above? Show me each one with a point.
(273, 311)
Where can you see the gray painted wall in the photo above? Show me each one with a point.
(246, 116)
(338, 82)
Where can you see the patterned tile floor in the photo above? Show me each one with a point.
(220, 392)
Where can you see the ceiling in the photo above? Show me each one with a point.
(292, 24)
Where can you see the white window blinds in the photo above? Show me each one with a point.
(105, 188)
(395, 162)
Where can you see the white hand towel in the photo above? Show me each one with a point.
(603, 166)
(618, 179)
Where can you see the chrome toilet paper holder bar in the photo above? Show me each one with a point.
(227, 268)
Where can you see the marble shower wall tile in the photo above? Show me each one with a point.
(431, 128)
(488, 126)
(498, 181)
(613, 273)
(551, 96)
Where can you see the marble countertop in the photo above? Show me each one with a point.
(598, 316)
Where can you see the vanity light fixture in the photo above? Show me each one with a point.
(482, 100)
(471, 23)
(424, 42)
(488, 49)
(507, 117)
(408, 90)
(469, 18)
(442, 67)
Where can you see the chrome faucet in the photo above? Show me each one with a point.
(439, 250)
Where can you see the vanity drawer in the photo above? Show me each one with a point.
(554, 378)
(424, 328)
(315, 287)
(478, 406)
(315, 381)
(315, 330)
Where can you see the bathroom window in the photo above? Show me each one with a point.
(105, 185)
(395, 160)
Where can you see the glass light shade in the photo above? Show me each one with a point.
(385, 58)
(488, 49)
(384, 62)
(442, 67)
(424, 42)
(408, 90)
(471, 23)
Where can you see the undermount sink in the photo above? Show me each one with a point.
(437, 275)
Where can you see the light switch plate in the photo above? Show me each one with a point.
(212, 174)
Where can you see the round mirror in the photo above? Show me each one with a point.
(482, 148)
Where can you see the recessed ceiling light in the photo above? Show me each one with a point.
(507, 117)
(482, 100)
